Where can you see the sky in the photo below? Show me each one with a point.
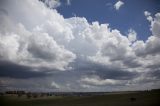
(79, 45)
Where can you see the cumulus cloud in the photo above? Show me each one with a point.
(148, 15)
(116, 51)
(155, 22)
(151, 46)
(118, 4)
(35, 44)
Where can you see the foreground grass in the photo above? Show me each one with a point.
(121, 99)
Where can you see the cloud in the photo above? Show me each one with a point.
(148, 15)
(151, 46)
(116, 51)
(118, 4)
(12, 70)
(27, 44)
(87, 67)
(155, 22)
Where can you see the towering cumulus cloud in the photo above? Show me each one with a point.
(34, 35)
(30, 37)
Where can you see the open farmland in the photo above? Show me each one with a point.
(145, 98)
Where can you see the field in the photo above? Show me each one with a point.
(148, 98)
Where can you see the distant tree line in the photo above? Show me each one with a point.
(27, 94)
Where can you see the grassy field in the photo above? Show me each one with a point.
(151, 98)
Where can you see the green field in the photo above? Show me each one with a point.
(151, 98)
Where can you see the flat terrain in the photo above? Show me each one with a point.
(150, 98)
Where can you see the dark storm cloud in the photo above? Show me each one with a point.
(12, 70)
(153, 66)
(151, 49)
(36, 52)
(80, 67)
(131, 63)
(155, 74)
(103, 71)
(2, 11)
(116, 74)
